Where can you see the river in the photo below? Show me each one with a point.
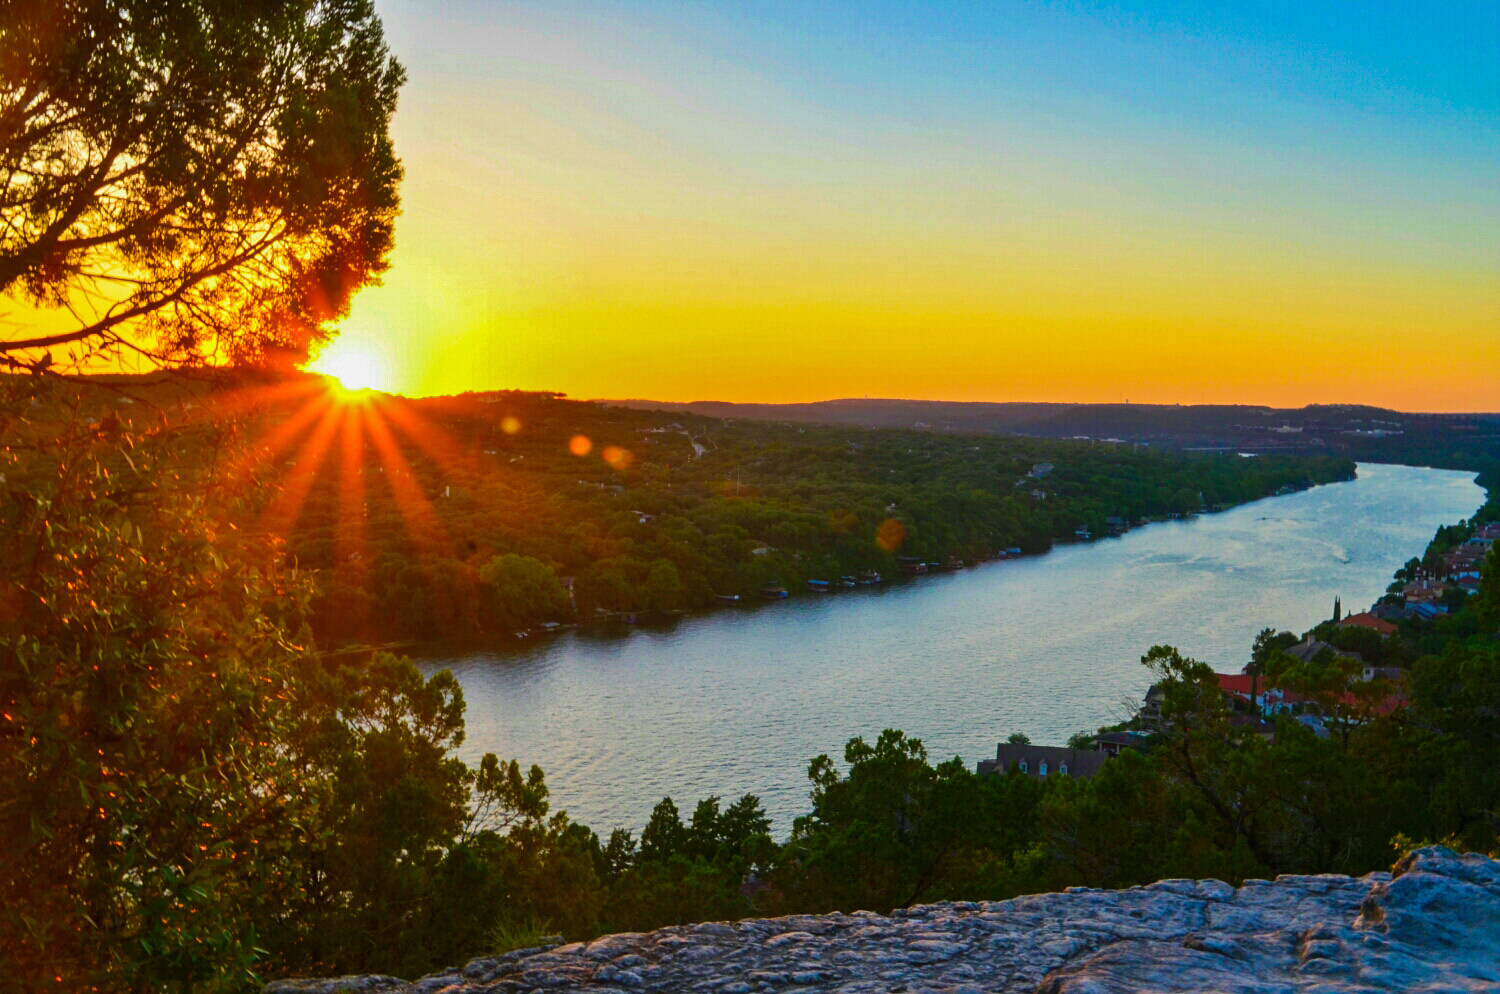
(738, 701)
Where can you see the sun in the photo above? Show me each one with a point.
(355, 366)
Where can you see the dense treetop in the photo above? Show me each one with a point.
(192, 180)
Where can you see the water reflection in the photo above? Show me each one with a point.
(739, 700)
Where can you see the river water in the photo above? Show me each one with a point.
(738, 701)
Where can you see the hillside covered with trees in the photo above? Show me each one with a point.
(491, 513)
(195, 794)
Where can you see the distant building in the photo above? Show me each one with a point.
(1310, 647)
(1367, 620)
(1044, 761)
(1246, 694)
(1151, 710)
(1114, 743)
(1040, 470)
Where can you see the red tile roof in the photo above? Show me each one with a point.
(1367, 620)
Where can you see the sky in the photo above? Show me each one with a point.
(1167, 202)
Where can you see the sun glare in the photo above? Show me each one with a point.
(355, 367)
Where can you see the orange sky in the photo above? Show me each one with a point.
(1021, 202)
(627, 202)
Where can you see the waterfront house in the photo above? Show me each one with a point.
(1114, 743)
(1367, 620)
(1310, 647)
(1151, 710)
(1044, 761)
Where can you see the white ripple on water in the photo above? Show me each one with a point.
(739, 701)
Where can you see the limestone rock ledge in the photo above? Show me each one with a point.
(1433, 925)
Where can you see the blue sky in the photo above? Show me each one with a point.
(592, 186)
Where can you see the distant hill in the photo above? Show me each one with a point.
(1375, 434)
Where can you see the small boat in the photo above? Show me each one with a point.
(773, 592)
(820, 586)
(1013, 551)
(729, 598)
(848, 581)
(868, 577)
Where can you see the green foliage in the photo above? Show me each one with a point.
(1267, 643)
(193, 797)
(220, 173)
(688, 872)
(525, 934)
(763, 504)
(523, 591)
(884, 835)
(146, 687)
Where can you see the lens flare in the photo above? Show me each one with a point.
(617, 457)
(510, 425)
(580, 445)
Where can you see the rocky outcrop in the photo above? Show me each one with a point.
(1433, 924)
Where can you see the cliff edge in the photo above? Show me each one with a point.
(1432, 924)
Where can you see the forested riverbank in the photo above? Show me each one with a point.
(201, 795)
(458, 517)
(891, 825)
(164, 666)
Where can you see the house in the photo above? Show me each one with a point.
(1040, 470)
(1367, 620)
(1151, 710)
(1310, 647)
(1114, 743)
(1044, 761)
(1251, 723)
(1273, 700)
(1421, 592)
(1244, 693)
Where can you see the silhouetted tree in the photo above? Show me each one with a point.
(196, 180)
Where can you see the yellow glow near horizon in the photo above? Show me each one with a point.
(355, 364)
(1024, 203)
